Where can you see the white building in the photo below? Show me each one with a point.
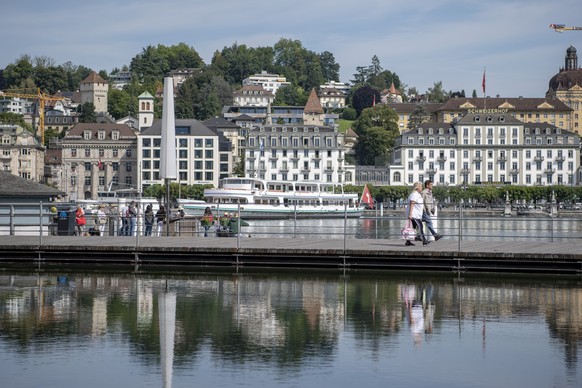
(270, 82)
(253, 95)
(487, 147)
(302, 152)
(203, 156)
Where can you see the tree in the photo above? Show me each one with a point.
(15, 74)
(418, 116)
(153, 63)
(437, 93)
(376, 141)
(378, 116)
(14, 119)
(290, 95)
(329, 68)
(474, 95)
(87, 113)
(363, 97)
(120, 103)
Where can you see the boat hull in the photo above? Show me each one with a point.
(253, 211)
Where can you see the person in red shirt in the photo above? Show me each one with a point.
(80, 221)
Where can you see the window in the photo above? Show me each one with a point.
(101, 135)
(87, 152)
(73, 152)
(209, 143)
(128, 153)
(87, 135)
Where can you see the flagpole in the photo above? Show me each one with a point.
(483, 85)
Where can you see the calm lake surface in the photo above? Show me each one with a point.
(218, 328)
(472, 228)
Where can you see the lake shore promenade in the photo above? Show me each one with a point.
(325, 253)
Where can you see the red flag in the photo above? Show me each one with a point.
(483, 83)
(99, 164)
(367, 198)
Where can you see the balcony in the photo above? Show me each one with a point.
(549, 170)
(560, 159)
(477, 159)
(501, 159)
(431, 171)
(465, 171)
(441, 159)
(420, 158)
(328, 169)
(284, 169)
(539, 159)
(514, 171)
(305, 170)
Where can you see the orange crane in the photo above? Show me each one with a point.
(42, 99)
(562, 28)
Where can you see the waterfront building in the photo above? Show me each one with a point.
(253, 95)
(297, 152)
(94, 89)
(98, 157)
(21, 153)
(203, 156)
(270, 82)
(528, 110)
(566, 86)
(231, 131)
(487, 147)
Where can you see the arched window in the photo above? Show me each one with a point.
(396, 177)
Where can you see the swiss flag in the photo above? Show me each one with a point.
(367, 198)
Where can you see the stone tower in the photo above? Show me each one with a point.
(94, 89)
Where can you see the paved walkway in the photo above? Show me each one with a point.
(446, 254)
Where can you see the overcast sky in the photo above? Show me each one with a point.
(423, 41)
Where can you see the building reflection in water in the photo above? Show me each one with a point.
(279, 318)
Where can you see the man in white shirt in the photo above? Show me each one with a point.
(414, 212)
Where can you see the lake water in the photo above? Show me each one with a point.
(219, 328)
(471, 228)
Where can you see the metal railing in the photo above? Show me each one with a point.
(459, 222)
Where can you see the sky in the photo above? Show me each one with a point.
(422, 41)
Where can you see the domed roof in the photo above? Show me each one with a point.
(564, 80)
(571, 50)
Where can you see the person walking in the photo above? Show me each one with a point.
(148, 219)
(160, 218)
(124, 230)
(101, 219)
(414, 212)
(207, 220)
(429, 209)
(80, 220)
(132, 214)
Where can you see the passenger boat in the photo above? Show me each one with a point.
(258, 198)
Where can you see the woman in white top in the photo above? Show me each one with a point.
(414, 212)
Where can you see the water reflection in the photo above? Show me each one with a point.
(472, 228)
(288, 329)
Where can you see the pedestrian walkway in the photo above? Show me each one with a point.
(446, 254)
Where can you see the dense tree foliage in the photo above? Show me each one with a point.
(291, 96)
(375, 76)
(377, 129)
(418, 116)
(87, 113)
(363, 97)
(14, 119)
(154, 63)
